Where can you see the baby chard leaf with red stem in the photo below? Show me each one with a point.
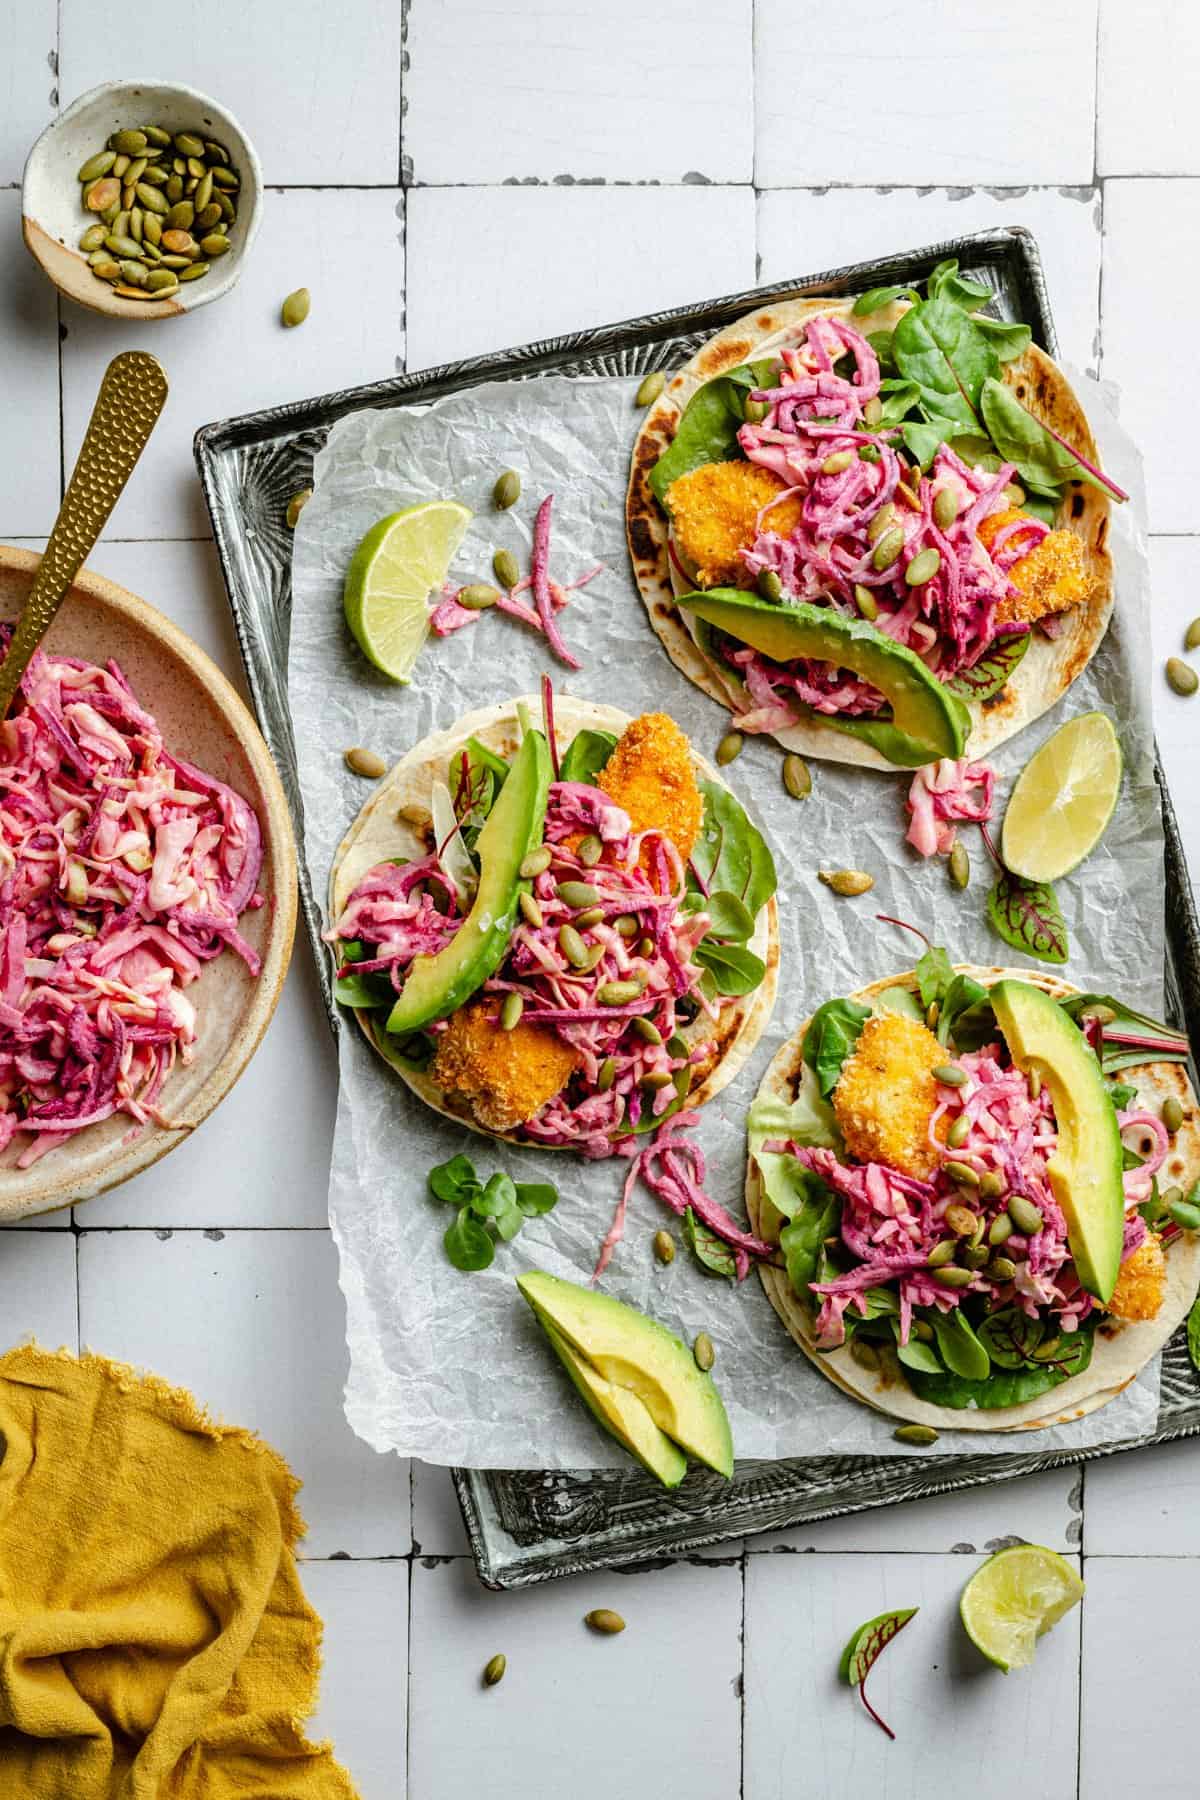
(864, 1649)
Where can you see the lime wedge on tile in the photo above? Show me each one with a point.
(395, 569)
(1014, 1598)
(1064, 797)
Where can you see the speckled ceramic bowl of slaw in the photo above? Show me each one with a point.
(204, 723)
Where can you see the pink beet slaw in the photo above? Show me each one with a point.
(123, 870)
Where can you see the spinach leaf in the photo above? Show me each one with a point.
(586, 755)
(832, 1034)
(731, 854)
(730, 920)
(991, 673)
(1007, 339)
(1010, 1337)
(916, 1355)
(363, 992)
(707, 431)
(940, 347)
(922, 441)
(934, 974)
(1039, 459)
(808, 1120)
(1042, 506)
(1193, 1335)
(1166, 1043)
(711, 1252)
(1026, 914)
(815, 1218)
(960, 1349)
(897, 397)
(881, 344)
(734, 969)
(963, 994)
(945, 282)
(536, 1197)
(1008, 1387)
(878, 297)
(1122, 1094)
(467, 1243)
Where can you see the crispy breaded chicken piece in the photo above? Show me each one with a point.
(1142, 1282)
(1051, 578)
(886, 1095)
(714, 512)
(505, 1076)
(649, 775)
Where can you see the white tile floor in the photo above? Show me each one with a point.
(562, 164)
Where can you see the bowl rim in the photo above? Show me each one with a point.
(47, 251)
(50, 1188)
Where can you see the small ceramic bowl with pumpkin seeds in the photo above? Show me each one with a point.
(142, 200)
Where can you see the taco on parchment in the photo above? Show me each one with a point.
(874, 528)
(557, 948)
(978, 1182)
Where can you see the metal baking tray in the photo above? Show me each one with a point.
(528, 1526)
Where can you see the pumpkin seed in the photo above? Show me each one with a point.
(769, 586)
(592, 916)
(647, 1030)
(208, 216)
(932, 1014)
(225, 178)
(1002, 1268)
(531, 912)
(873, 411)
(1000, 1229)
(607, 1074)
(204, 191)
(152, 229)
(975, 1255)
(178, 165)
(923, 567)
(135, 224)
(536, 863)
(228, 210)
(864, 1354)
(294, 310)
(730, 746)
(797, 778)
(109, 213)
(296, 506)
(627, 926)
(963, 1173)
(128, 196)
(97, 165)
(992, 1184)
(1172, 1113)
(616, 993)
(478, 596)
(92, 238)
(175, 262)
(603, 1619)
(959, 865)
(651, 387)
(1185, 1215)
(1181, 676)
(151, 199)
(102, 194)
(754, 411)
(188, 144)
(961, 1220)
(577, 893)
(155, 176)
(657, 1079)
(942, 1253)
(365, 763)
(193, 272)
(888, 548)
(945, 508)
(703, 1352)
(922, 1331)
(1191, 637)
(910, 495)
(1026, 1217)
(155, 135)
(135, 171)
(507, 490)
(591, 849)
(215, 244)
(1014, 493)
(922, 1435)
(173, 189)
(128, 143)
(882, 522)
(132, 293)
(179, 241)
(106, 268)
(506, 569)
(950, 1076)
(216, 153)
(574, 949)
(954, 1276)
(510, 1011)
(841, 459)
(959, 1132)
(865, 601)
(664, 1246)
(493, 1670)
(847, 882)
(162, 282)
(645, 947)
(134, 272)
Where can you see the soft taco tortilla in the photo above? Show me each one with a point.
(391, 826)
(1050, 664)
(1119, 1349)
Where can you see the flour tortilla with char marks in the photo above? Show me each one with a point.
(1119, 1350)
(390, 826)
(1049, 666)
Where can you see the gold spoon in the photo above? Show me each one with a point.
(131, 397)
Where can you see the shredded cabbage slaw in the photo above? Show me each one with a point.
(123, 870)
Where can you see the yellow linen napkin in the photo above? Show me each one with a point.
(154, 1638)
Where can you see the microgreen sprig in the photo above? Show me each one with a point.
(500, 1205)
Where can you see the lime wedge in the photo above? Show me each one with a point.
(1014, 1598)
(1063, 800)
(397, 566)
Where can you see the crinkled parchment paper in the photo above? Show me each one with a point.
(452, 1367)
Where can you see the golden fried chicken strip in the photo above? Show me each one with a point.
(650, 776)
(886, 1095)
(714, 515)
(505, 1076)
(1051, 578)
(1142, 1282)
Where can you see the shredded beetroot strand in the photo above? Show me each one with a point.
(541, 584)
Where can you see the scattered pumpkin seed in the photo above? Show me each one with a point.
(1000, 1229)
(134, 272)
(847, 882)
(923, 567)
(215, 244)
(754, 411)
(645, 946)
(887, 549)
(607, 1074)
(882, 522)
(1002, 1268)
(1014, 493)
(92, 238)
(294, 310)
(730, 746)
(873, 411)
(477, 596)
(626, 926)
(656, 1079)
(152, 230)
(507, 490)
(156, 136)
(493, 1670)
(97, 165)
(162, 282)
(511, 1009)
(536, 863)
(1181, 676)
(104, 266)
(959, 1132)
(604, 1620)
(864, 1354)
(942, 1253)
(188, 144)
(151, 199)
(963, 1173)
(577, 893)
(834, 465)
(949, 1075)
(531, 912)
(591, 849)
(1026, 1217)
(1172, 1113)
(103, 193)
(865, 601)
(932, 1014)
(179, 241)
(506, 569)
(651, 387)
(617, 993)
(769, 585)
(1191, 637)
(991, 1186)
(208, 216)
(135, 171)
(592, 916)
(576, 952)
(797, 778)
(959, 865)
(173, 189)
(953, 1276)
(204, 190)
(128, 142)
(703, 1352)
(296, 506)
(646, 1029)
(664, 1247)
(945, 508)
(194, 271)
(365, 763)
(915, 1434)
(225, 178)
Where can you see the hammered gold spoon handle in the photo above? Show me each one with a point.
(131, 397)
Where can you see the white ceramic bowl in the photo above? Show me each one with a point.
(53, 216)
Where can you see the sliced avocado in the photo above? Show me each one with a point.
(1085, 1172)
(438, 985)
(927, 719)
(621, 1414)
(635, 1353)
